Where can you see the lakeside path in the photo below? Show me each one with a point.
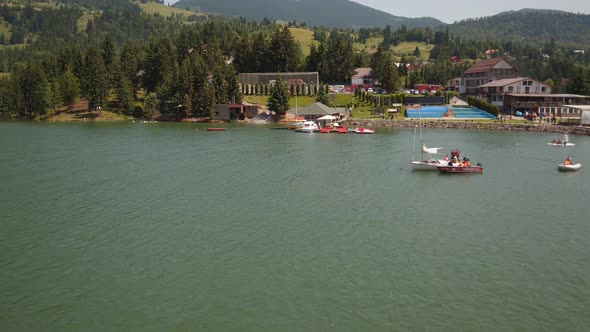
(467, 124)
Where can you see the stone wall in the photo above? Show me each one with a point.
(576, 130)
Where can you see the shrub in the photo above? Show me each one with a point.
(483, 105)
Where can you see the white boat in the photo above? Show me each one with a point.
(308, 127)
(561, 142)
(428, 161)
(361, 130)
(569, 168)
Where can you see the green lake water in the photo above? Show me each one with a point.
(168, 227)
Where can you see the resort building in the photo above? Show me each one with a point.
(230, 112)
(558, 104)
(494, 92)
(485, 71)
(363, 77)
(457, 84)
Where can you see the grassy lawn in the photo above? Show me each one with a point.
(302, 101)
(5, 29)
(304, 37)
(83, 20)
(370, 46)
(407, 48)
(156, 8)
(83, 115)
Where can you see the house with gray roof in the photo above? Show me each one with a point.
(316, 110)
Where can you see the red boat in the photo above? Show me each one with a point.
(460, 169)
(215, 129)
(456, 166)
(334, 129)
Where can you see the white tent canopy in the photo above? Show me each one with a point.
(327, 117)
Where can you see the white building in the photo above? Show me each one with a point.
(494, 92)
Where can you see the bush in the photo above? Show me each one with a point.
(483, 105)
(138, 112)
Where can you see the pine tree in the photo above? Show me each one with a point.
(94, 84)
(69, 88)
(151, 106)
(389, 76)
(260, 54)
(244, 56)
(107, 52)
(387, 37)
(278, 102)
(32, 90)
(322, 96)
(285, 52)
(417, 52)
(128, 61)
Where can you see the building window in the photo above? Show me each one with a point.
(510, 89)
(543, 89)
(527, 90)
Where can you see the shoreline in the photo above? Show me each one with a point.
(438, 124)
(545, 128)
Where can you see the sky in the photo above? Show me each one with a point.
(456, 10)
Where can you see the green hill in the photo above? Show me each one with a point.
(533, 26)
(330, 13)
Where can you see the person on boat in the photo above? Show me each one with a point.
(446, 157)
(568, 161)
(466, 162)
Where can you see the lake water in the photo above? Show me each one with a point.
(168, 227)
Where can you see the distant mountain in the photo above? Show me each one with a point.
(329, 13)
(534, 26)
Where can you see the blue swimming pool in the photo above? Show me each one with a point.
(437, 112)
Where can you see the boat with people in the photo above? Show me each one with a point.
(568, 165)
(561, 142)
(308, 127)
(429, 162)
(361, 130)
(460, 166)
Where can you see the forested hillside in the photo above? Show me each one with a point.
(535, 27)
(124, 59)
(330, 13)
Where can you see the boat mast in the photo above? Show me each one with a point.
(296, 88)
(414, 146)
(421, 140)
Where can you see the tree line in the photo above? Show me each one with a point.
(188, 68)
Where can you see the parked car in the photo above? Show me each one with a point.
(370, 90)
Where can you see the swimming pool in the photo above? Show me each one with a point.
(437, 112)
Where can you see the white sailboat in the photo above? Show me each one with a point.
(428, 160)
(563, 142)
